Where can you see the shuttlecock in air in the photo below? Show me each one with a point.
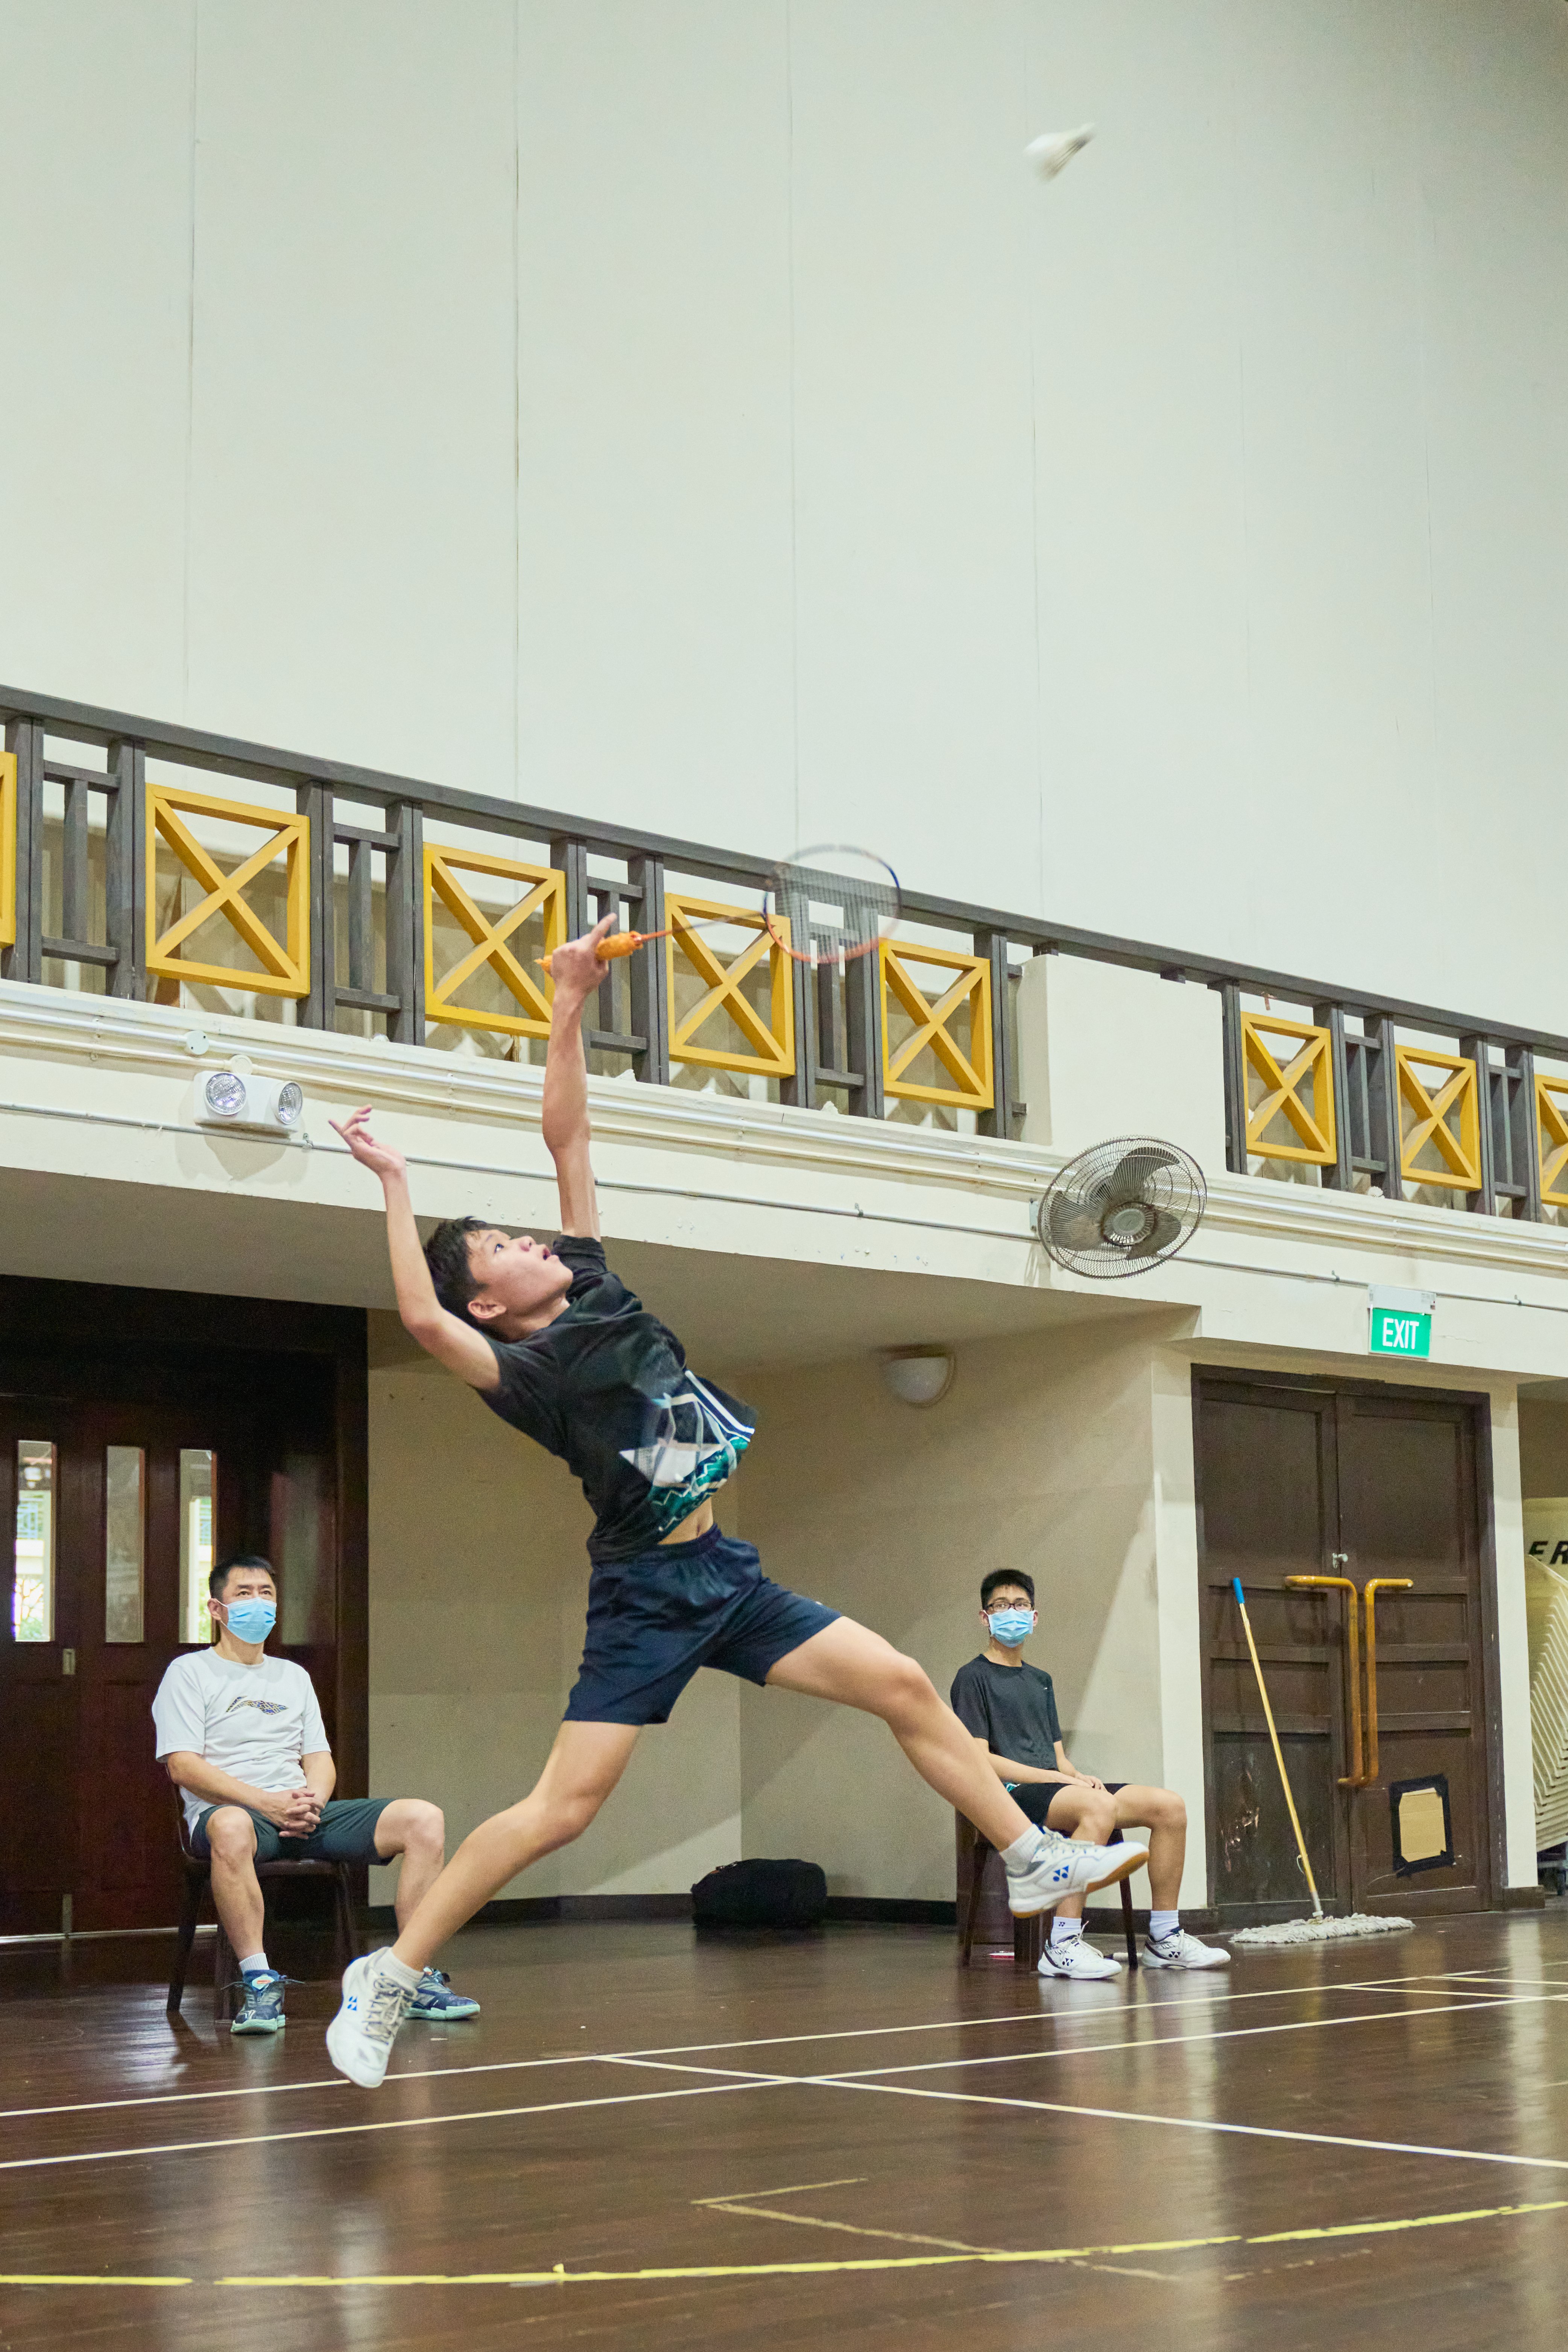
(1053, 150)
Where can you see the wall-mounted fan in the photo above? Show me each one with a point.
(1120, 1207)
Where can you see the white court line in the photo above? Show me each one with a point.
(1200, 2124)
(732, 2079)
(1225, 2033)
(401, 2122)
(1211, 1996)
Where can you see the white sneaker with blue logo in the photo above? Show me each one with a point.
(1181, 1950)
(1076, 1957)
(360, 2038)
(1064, 1866)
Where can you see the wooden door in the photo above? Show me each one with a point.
(123, 1473)
(1300, 1479)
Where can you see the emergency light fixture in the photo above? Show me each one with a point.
(231, 1098)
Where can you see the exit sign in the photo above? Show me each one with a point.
(1399, 1322)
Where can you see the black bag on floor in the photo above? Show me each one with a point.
(761, 1895)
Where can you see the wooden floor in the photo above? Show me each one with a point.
(648, 2139)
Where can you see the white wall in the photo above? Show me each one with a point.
(695, 415)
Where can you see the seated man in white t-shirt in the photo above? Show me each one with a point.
(241, 1735)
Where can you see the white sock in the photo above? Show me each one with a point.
(1163, 1923)
(398, 1970)
(1022, 1851)
(1065, 1931)
(256, 1965)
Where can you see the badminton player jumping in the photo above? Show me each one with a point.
(562, 1349)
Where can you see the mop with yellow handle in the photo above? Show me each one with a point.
(1320, 1928)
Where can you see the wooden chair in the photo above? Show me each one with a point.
(1028, 1935)
(225, 1961)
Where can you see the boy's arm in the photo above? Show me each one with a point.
(1006, 1769)
(576, 973)
(1070, 1768)
(447, 1338)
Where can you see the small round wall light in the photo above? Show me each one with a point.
(918, 1376)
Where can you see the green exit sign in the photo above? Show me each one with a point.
(1399, 1322)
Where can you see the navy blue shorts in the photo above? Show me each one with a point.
(653, 1620)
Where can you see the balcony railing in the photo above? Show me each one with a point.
(342, 897)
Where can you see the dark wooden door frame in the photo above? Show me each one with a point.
(85, 1343)
(1479, 1404)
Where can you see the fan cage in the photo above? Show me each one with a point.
(1084, 1196)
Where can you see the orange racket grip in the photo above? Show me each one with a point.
(610, 951)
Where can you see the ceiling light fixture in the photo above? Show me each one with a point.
(919, 1376)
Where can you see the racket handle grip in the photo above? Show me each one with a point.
(609, 950)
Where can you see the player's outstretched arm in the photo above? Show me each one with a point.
(576, 973)
(447, 1338)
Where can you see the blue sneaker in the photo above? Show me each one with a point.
(437, 2003)
(261, 2011)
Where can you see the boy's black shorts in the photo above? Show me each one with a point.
(1034, 1798)
(653, 1620)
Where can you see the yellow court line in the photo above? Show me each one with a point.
(1211, 1997)
(559, 2275)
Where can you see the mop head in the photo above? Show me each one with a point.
(1322, 1931)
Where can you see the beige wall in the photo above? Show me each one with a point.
(478, 1585)
(693, 414)
(1040, 1458)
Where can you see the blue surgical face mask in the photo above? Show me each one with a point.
(252, 1620)
(1011, 1626)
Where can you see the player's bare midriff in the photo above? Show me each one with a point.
(700, 1520)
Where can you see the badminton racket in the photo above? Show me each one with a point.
(827, 904)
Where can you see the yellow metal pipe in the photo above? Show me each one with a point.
(1358, 1776)
(1370, 1591)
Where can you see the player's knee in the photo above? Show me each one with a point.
(1097, 1821)
(425, 1829)
(907, 1691)
(1171, 1813)
(231, 1834)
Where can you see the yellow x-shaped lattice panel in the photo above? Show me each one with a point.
(285, 962)
(968, 994)
(7, 849)
(772, 1040)
(1551, 1140)
(1447, 1117)
(1310, 1071)
(547, 896)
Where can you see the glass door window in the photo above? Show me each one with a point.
(33, 1587)
(198, 1500)
(124, 1542)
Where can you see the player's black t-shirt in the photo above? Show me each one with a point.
(1012, 1708)
(607, 1388)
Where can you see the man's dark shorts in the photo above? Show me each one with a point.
(1034, 1798)
(653, 1620)
(345, 1832)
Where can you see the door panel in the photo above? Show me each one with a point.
(1320, 1481)
(89, 1812)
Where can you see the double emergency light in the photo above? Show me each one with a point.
(240, 1099)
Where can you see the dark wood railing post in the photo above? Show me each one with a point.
(23, 959)
(1341, 1177)
(319, 1010)
(1385, 1140)
(125, 870)
(863, 1027)
(1525, 1136)
(405, 924)
(811, 1048)
(1476, 1051)
(650, 974)
(998, 1119)
(1235, 1078)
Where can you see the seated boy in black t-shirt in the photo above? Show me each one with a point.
(562, 1349)
(1010, 1708)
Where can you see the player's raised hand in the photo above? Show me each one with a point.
(380, 1158)
(577, 968)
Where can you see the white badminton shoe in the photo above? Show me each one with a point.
(360, 2038)
(1075, 1957)
(1064, 1866)
(1181, 1950)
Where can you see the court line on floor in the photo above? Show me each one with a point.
(1194, 2123)
(559, 2275)
(734, 2078)
(394, 2123)
(1212, 1995)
